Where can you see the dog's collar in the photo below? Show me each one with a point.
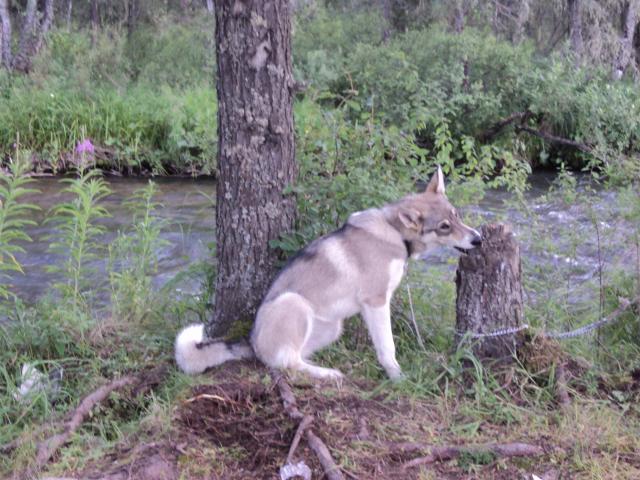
(407, 245)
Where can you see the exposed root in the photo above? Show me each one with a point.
(48, 447)
(331, 469)
(449, 452)
(302, 427)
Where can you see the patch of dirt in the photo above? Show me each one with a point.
(235, 427)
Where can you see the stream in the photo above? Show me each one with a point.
(555, 237)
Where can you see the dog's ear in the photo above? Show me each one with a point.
(436, 184)
(410, 218)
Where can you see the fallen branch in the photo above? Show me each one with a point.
(497, 127)
(48, 447)
(331, 469)
(449, 452)
(555, 139)
(302, 427)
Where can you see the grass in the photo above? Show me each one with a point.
(449, 397)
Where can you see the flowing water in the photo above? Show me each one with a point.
(555, 237)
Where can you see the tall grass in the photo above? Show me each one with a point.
(133, 258)
(13, 218)
(78, 234)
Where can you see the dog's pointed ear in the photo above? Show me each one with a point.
(436, 184)
(410, 218)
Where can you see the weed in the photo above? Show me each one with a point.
(78, 234)
(13, 219)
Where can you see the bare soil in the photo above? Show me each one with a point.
(235, 427)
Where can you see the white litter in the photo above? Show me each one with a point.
(291, 470)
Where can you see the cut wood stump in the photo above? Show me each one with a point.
(489, 294)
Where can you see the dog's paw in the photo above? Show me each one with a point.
(397, 376)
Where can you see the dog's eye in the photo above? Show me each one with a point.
(445, 226)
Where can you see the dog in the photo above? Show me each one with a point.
(353, 270)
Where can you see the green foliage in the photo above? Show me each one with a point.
(133, 258)
(13, 219)
(77, 240)
(429, 79)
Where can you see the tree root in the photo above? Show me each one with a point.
(331, 469)
(47, 448)
(449, 452)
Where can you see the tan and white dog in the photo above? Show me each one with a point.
(353, 270)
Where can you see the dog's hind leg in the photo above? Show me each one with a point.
(378, 320)
(283, 327)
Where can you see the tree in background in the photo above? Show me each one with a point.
(35, 25)
(256, 153)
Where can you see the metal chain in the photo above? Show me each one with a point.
(624, 303)
(497, 333)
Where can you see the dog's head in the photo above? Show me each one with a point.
(427, 220)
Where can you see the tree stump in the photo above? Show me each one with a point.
(489, 294)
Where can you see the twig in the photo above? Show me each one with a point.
(48, 447)
(555, 139)
(304, 423)
(449, 452)
(331, 469)
(497, 127)
(413, 319)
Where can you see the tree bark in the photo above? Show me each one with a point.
(69, 10)
(575, 30)
(489, 293)
(95, 19)
(5, 38)
(256, 153)
(133, 15)
(625, 52)
(32, 34)
(458, 17)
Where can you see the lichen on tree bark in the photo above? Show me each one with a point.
(256, 154)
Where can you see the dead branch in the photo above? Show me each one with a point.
(331, 469)
(555, 139)
(449, 452)
(302, 427)
(48, 447)
(497, 127)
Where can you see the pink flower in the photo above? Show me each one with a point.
(85, 146)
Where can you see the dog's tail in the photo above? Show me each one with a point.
(194, 356)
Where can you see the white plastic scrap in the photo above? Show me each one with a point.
(33, 381)
(291, 470)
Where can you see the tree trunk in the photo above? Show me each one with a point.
(256, 153)
(133, 15)
(22, 58)
(489, 293)
(95, 20)
(625, 52)
(69, 9)
(210, 6)
(575, 30)
(458, 17)
(5, 38)
(32, 34)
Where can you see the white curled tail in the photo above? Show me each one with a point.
(194, 359)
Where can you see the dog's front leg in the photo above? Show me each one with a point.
(378, 320)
